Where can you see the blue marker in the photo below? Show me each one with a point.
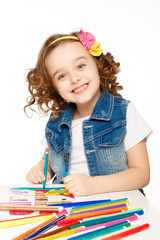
(65, 174)
(45, 169)
(45, 228)
(84, 204)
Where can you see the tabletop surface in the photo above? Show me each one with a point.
(137, 200)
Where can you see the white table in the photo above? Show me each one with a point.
(137, 200)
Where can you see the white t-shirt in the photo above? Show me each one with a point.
(137, 130)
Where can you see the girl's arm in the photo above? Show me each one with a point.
(36, 174)
(135, 177)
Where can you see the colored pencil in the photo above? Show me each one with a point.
(45, 169)
(101, 231)
(131, 218)
(10, 207)
(44, 228)
(84, 203)
(58, 230)
(25, 220)
(96, 213)
(128, 232)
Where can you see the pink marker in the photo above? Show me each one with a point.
(17, 203)
(130, 218)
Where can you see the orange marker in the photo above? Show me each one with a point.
(96, 213)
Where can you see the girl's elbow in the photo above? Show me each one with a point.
(146, 179)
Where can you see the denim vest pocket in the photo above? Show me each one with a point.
(55, 140)
(113, 157)
(113, 136)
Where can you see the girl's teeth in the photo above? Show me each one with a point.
(80, 89)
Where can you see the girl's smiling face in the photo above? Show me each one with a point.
(74, 73)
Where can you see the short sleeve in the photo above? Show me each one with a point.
(44, 142)
(137, 128)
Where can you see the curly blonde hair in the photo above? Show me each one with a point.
(43, 93)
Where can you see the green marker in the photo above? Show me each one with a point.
(101, 232)
(102, 220)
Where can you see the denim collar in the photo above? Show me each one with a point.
(104, 107)
(67, 117)
(102, 111)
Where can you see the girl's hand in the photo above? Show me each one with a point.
(36, 175)
(79, 184)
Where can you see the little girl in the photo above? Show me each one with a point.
(93, 134)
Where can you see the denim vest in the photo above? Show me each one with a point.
(103, 135)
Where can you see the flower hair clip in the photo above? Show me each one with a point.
(87, 39)
(89, 42)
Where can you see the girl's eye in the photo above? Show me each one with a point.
(81, 66)
(62, 76)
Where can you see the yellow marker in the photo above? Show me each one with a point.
(23, 221)
(59, 202)
(57, 192)
(51, 193)
(62, 234)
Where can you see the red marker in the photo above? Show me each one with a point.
(128, 232)
(69, 221)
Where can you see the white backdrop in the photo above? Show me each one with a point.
(129, 29)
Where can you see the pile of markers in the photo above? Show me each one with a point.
(97, 219)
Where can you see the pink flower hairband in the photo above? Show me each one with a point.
(87, 39)
(89, 42)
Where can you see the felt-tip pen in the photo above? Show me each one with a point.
(45, 169)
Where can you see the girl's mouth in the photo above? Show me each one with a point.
(81, 89)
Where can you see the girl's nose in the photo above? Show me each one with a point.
(74, 78)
